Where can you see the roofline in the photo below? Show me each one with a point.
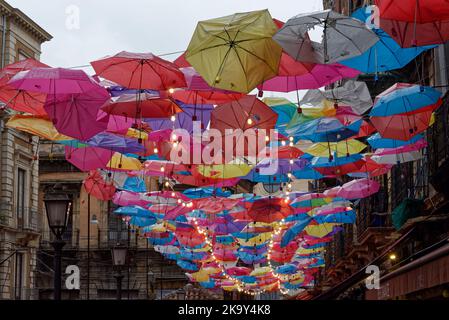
(25, 21)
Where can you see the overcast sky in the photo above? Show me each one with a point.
(159, 26)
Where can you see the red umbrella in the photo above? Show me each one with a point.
(21, 100)
(97, 187)
(245, 113)
(341, 169)
(205, 97)
(144, 105)
(140, 71)
(405, 126)
(419, 11)
(268, 209)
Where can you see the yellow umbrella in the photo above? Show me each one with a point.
(309, 251)
(224, 171)
(122, 162)
(341, 148)
(137, 134)
(235, 52)
(325, 108)
(260, 271)
(36, 125)
(320, 230)
(258, 239)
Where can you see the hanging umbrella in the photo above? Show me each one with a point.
(342, 148)
(97, 187)
(21, 100)
(296, 75)
(420, 11)
(292, 232)
(120, 162)
(205, 97)
(415, 22)
(325, 129)
(404, 98)
(40, 126)
(337, 166)
(235, 52)
(354, 94)
(115, 143)
(186, 118)
(268, 209)
(76, 114)
(386, 54)
(246, 113)
(134, 211)
(140, 71)
(88, 158)
(127, 198)
(343, 37)
(376, 141)
(56, 81)
(143, 105)
(404, 126)
(358, 189)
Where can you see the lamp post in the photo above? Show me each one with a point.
(119, 254)
(57, 206)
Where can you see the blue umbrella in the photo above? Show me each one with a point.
(142, 221)
(199, 193)
(307, 173)
(402, 98)
(376, 141)
(386, 54)
(343, 217)
(187, 265)
(208, 285)
(325, 129)
(286, 269)
(191, 255)
(291, 233)
(134, 184)
(135, 211)
(325, 162)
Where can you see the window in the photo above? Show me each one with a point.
(20, 196)
(18, 277)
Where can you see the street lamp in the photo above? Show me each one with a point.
(57, 206)
(119, 254)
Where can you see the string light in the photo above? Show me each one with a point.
(173, 118)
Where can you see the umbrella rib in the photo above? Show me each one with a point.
(251, 53)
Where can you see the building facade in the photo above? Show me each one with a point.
(21, 38)
(404, 229)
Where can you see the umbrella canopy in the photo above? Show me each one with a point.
(359, 188)
(88, 158)
(419, 11)
(144, 105)
(37, 125)
(97, 187)
(246, 113)
(385, 55)
(341, 148)
(354, 94)
(296, 75)
(235, 52)
(140, 71)
(54, 81)
(376, 141)
(343, 37)
(268, 209)
(404, 98)
(76, 114)
(115, 142)
(20, 100)
(325, 130)
(404, 126)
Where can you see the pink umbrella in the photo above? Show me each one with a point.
(75, 115)
(88, 158)
(295, 75)
(54, 81)
(128, 198)
(358, 189)
(97, 187)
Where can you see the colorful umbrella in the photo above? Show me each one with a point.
(97, 187)
(358, 189)
(88, 158)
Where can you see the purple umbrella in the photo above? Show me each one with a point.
(88, 158)
(114, 142)
(225, 225)
(185, 119)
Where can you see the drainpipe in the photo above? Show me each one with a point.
(3, 40)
